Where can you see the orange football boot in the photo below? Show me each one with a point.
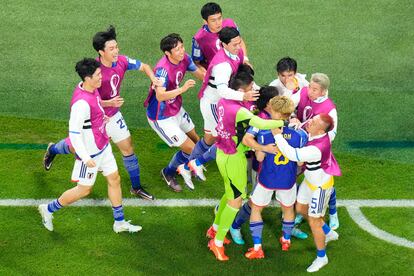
(253, 254)
(285, 244)
(218, 251)
(211, 234)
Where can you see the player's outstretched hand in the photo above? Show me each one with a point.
(188, 84)
(90, 163)
(251, 95)
(270, 148)
(116, 101)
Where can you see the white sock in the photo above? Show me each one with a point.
(257, 246)
(215, 227)
(218, 243)
(119, 222)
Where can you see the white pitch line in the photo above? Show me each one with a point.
(353, 206)
(366, 225)
(202, 202)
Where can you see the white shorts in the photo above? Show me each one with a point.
(317, 200)
(117, 129)
(173, 130)
(105, 162)
(261, 196)
(210, 116)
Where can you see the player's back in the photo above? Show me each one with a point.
(277, 171)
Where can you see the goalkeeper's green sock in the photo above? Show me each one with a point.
(227, 218)
(222, 205)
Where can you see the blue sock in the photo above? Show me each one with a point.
(256, 228)
(287, 227)
(118, 213)
(179, 158)
(199, 148)
(326, 229)
(208, 155)
(321, 253)
(332, 202)
(132, 167)
(60, 147)
(54, 206)
(242, 216)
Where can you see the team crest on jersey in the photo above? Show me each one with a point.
(89, 175)
(174, 138)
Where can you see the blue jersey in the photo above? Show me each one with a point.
(278, 172)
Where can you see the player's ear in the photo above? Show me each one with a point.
(101, 52)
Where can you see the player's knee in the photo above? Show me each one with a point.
(84, 190)
(114, 179)
(314, 222)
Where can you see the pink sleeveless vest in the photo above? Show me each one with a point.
(308, 109)
(226, 126)
(176, 73)
(328, 161)
(111, 82)
(221, 57)
(96, 115)
(209, 42)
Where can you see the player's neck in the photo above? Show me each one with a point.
(87, 87)
(104, 62)
(173, 61)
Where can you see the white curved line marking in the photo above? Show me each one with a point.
(366, 225)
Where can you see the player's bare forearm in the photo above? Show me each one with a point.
(163, 95)
(148, 71)
(200, 73)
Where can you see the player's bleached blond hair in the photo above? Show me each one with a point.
(283, 105)
(321, 79)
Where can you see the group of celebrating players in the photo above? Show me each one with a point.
(274, 132)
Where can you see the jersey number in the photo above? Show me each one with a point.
(121, 123)
(280, 159)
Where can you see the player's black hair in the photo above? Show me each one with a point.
(246, 68)
(286, 64)
(210, 9)
(227, 34)
(169, 42)
(100, 38)
(266, 94)
(241, 79)
(86, 67)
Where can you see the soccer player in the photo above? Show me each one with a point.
(206, 42)
(93, 151)
(288, 81)
(314, 192)
(215, 86)
(234, 118)
(311, 101)
(113, 68)
(165, 112)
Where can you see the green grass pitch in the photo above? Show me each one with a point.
(366, 48)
